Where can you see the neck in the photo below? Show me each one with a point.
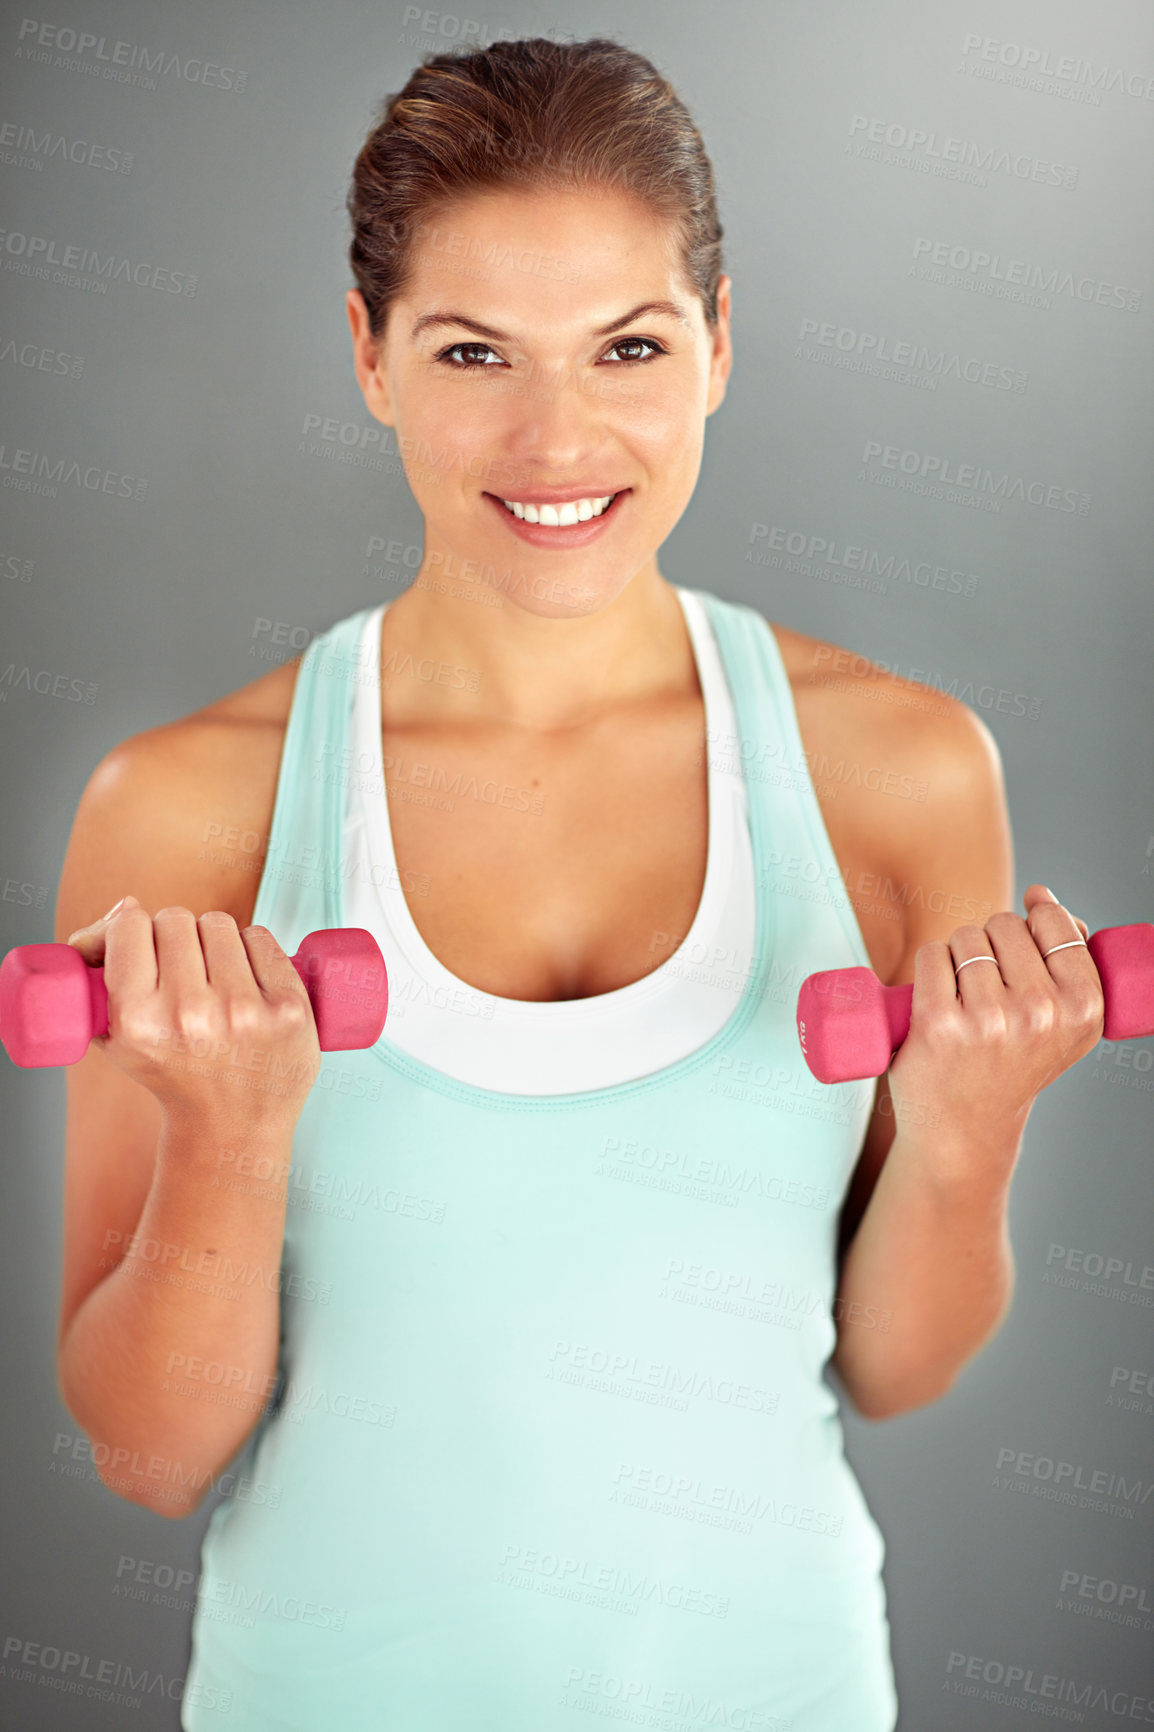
(529, 670)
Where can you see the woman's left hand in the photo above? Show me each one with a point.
(986, 1036)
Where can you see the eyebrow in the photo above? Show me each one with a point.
(670, 308)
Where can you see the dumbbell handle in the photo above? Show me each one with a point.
(52, 1002)
(850, 1025)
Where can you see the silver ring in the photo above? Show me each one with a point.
(1067, 946)
(970, 959)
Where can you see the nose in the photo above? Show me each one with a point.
(559, 427)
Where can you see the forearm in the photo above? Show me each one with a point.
(170, 1360)
(931, 1253)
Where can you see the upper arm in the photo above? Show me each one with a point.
(133, 832)
(950, 862)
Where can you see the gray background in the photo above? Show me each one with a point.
(154, 603)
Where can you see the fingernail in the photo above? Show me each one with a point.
(113, 909)
(1049, 893)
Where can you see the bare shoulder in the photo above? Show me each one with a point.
(912, 791)
(180, 813)
(845, 700)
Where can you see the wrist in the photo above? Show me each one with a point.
(210, 1143)
(965, 1164)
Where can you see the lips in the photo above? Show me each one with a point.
(563, 535)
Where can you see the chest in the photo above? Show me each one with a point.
(571, 865)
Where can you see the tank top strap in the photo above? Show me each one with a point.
(793, 856)
(299, 886)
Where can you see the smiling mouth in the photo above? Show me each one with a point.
(562, 514)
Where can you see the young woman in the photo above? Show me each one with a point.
(521, 1316)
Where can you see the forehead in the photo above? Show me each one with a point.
(572, 259)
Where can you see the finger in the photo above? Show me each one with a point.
(1040, 898)
(934, 989)
(1057, 932)
(977, 974)
(1035, 893)
(226, 963)
(1019, 956)
(271, 966)
(129, 953)
(179, 958)
(89, 940)
(1060, 938)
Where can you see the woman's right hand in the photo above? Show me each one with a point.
(212, 1019)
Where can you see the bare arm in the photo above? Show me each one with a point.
(170, 1359)
(169, 1312)
(924, 1232)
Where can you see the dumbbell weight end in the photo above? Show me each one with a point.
(52, 1003)
(850, 1025)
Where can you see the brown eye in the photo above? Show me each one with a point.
(634, 342)
(462, 347)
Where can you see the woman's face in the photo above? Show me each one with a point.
(517, 367)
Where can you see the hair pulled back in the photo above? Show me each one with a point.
(536, 114)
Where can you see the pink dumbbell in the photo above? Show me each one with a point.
(52, 1002)
(850, 1025)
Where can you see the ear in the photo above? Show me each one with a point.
(368, 361)
(722, 358)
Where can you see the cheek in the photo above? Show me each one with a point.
(440, 434)
(662, 422)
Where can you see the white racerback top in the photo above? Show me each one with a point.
(555, 1046)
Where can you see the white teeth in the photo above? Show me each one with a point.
(558, 516)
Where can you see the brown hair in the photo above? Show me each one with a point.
(537, 114)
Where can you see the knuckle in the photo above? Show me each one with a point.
(967, 933)
(989, 1023)
(1086, 1006)
(292, 1010)
(1038, 1018)
(1004, 921)
(215, 917)
(172, 908)
(939, 1026)
(135, 1024)
(194, 1013)
(243, 1013)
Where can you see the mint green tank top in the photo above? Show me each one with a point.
(550, 1436)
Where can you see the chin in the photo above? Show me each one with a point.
(556, 596)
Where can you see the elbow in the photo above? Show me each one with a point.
(888, 1402)
(173, 1502)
